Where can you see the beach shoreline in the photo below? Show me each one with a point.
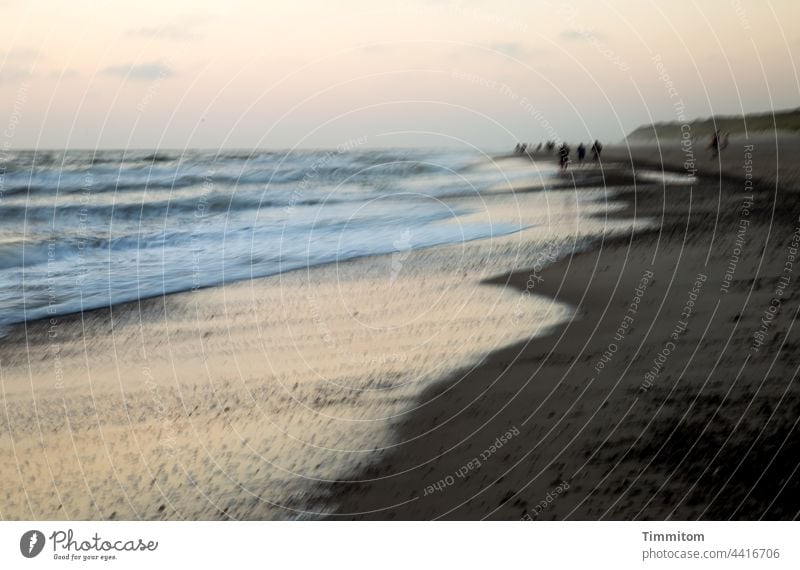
(213, 404)
(238, 401)
(678, 409)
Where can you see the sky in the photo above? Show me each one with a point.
(320, 74)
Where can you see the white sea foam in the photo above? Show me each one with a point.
(93, 229)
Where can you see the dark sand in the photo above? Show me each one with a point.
(712, 434)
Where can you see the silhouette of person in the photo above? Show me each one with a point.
(563, 156)
(714, 144)
(597, 148)
(581, 153)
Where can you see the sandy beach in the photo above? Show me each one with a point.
(670, 393)
(503, 378)
(244, 401)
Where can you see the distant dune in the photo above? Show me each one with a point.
(787, 120)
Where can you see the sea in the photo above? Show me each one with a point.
(87, 229)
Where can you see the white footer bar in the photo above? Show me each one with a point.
(399, 545)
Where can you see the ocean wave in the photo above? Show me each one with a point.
(87, 177)
(150, 210)
(94, 228)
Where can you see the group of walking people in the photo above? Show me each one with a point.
(563, 151)
(718, 142)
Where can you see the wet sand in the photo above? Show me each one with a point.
(670, 394)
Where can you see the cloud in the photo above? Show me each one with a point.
(180, 29)
(21, 55)
(141, 71)
(170, 32)
(18, 63)
(11, 74)
(62, 74)
(376, 48)
(514, 49)
(573, 35)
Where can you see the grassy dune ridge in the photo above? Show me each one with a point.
(786, 120)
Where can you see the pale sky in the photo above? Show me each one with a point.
(316, 74)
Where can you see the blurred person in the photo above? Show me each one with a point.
(563, 156)
(597, 148)
(581, 153)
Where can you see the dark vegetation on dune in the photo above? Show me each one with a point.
(786, 120)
